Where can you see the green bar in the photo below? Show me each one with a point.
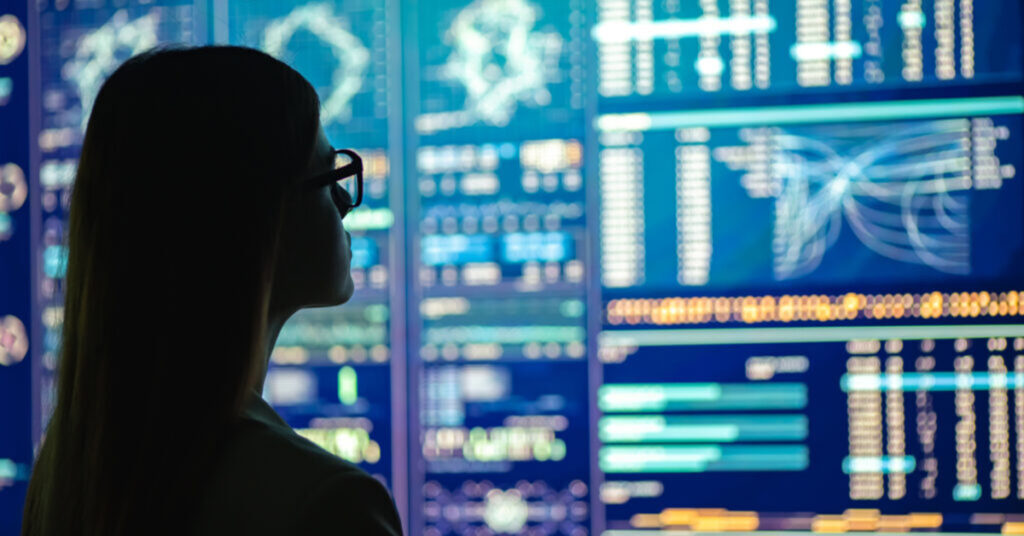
(348, 386)
(702, 459)
(657, 397)
(369, 219)
(814, 113)
(711, 337)
(702, 428)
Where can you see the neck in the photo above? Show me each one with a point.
(275, 320)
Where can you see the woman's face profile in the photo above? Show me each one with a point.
(313, 268)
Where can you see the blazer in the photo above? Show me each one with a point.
(271, 481)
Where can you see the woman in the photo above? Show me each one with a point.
(195, 231)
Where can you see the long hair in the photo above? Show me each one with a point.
(172, 236)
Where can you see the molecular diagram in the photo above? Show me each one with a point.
(499, 58)
(353, 58)
(99, 52)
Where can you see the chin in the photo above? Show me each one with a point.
(335, 295)
(348, 288)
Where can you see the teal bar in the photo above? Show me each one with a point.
(8, 469)
(912, 19)
(12, 471)
(325, 335)
(879, 464)
(657, 397)
(814, 113)
(503, 334)
(702, 459)
(967, 492)
(371, 219)
(701, 428)
(931, 381)
(731, 336)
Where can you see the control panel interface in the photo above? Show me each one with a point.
(623, 267)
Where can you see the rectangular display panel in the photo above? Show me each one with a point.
(497, 334)
(662, 51)
(331, 374)
(811, 317)
(628, 267)
(16, 322)
(813, 429)
(887, 195)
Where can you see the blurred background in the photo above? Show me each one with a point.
(625, 266)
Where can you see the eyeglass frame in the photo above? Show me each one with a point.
(355, 167)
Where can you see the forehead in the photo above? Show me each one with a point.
(323, 152)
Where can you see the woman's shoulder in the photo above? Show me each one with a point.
(278, 452)
(374, 513)
(269, 479)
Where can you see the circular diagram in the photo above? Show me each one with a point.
(12, 38)
(13, 341)
(13, 188)
(505, 511)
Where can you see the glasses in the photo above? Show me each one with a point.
(347, 194)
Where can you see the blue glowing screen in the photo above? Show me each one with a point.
(623, 267)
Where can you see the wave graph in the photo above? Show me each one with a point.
(902, 189)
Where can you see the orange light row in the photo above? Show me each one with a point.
(813, 308)
(853, 520)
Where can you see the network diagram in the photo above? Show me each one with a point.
(353, 57)
(100, 51)
(500, 58)
(901, 189)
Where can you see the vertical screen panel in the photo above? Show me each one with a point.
(331, 370)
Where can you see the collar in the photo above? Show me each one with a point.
(258, 410)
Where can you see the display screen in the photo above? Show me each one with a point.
(627, 267)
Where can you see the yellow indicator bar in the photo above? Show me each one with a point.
(925, 521)
(645, 521)
(677, 517)
(828, 524)
(894, 523)
(699, 519)
(852, 520)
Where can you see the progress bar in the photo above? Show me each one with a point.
(711, 337)
(813, 113)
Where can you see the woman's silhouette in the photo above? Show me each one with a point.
(194, 233)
